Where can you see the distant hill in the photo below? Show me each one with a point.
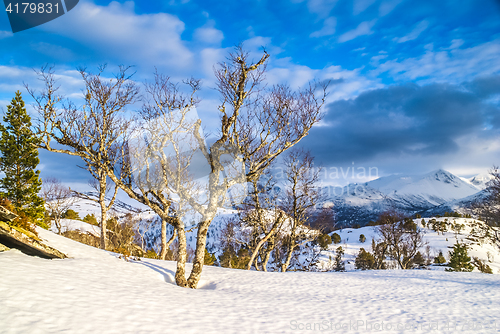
(431, 193)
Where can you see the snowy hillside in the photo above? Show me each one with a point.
(484, 241)
(360, 203)
(435, 188)
(96, 292)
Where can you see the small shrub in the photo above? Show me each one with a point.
(339, 264)
(481, 266)
(364, 260)
(336, 238)
(90, 219)
(362, 238)
(324, 240)
(71, 214)
(418, 260)
(232, 259)
(209, 258)
(84, 238)
(440, 258)
(151, 254)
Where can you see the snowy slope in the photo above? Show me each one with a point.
(95, 292)
(472, 234)
(360, 203)
(436, 188)
(481, 180)
(71, 225)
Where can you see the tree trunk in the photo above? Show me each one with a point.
(199, 255)
(267, 256)
(104, 209)
(180, 273)
(256, 264)
(104, 212)
(172, 239)
(289, 255)
(57, 221)
(163, 252)
(257, 248)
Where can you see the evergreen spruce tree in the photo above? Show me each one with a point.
(18, 146)
(459, 260)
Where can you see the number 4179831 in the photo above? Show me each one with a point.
(31, 7)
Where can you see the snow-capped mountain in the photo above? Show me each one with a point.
(360, 203)
(481, 180)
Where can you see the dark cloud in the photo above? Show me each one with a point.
(403, 120)
(485, 86)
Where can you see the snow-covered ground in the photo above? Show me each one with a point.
(96, 292)
(72, 225)
(483, 248)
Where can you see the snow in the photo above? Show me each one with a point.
(437, 241)
(96, 292)
(436, 187)
(481, 180)
(71, 225)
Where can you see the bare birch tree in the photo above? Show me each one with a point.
(401, 237)
(301, 198)
(95, 131)
(262, 214)
(58, 199)
(257, 126)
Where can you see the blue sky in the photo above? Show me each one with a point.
(415, 83)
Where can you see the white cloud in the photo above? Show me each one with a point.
(328, 28)
(360, 6)
(453, 66)
(388, 6)
(321, 7)
(417, 30)
(5, 34)
(375, 60)
(115, 31)
(456, 43)
(364, 28)
(208, 34)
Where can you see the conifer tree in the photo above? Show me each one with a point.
(18, 146)
(459, 260)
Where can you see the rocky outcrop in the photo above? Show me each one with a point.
(26, 242)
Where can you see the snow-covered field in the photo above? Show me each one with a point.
(72, 225)
(96, 292)
(481, 247)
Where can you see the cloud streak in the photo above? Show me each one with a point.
(364, 28)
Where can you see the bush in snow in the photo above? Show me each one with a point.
(339, 264)
(233, 259)
(90, 219)
(362, 238)
(336, 238)
(209, 258)
(71, 214)
(324, 240)
(418, 260)
(481, 266)
(364, 260)
(440, 258)
(151, 254)
(459, 260)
